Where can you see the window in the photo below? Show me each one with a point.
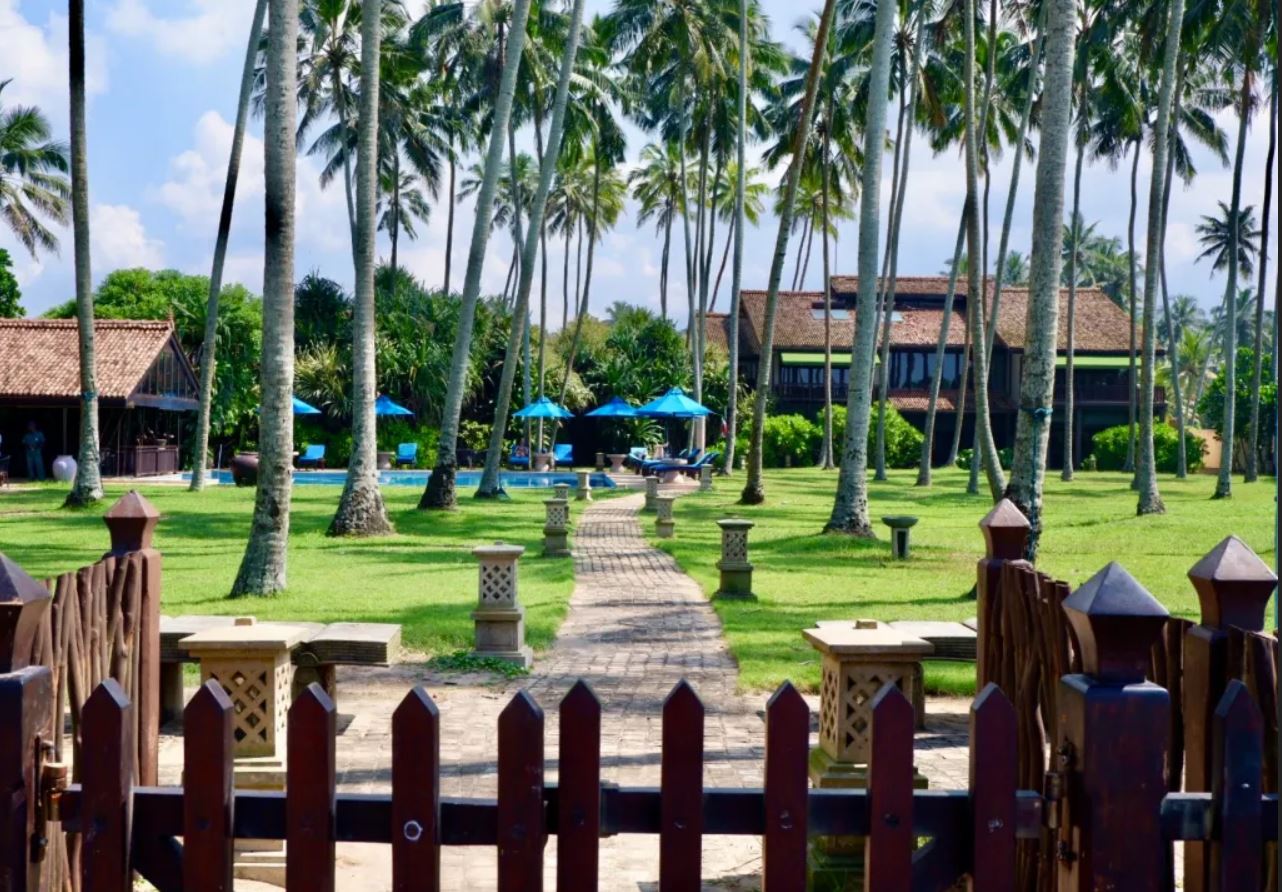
(914, 370)
(839, 314)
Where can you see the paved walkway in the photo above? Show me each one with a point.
(636, 626)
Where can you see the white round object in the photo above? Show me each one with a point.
(64, 469)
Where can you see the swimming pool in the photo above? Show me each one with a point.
(510, 479)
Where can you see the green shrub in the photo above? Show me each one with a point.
(1109, 447)
(1004, 456)
(903, 441)
(474, 435)
(790, 440)
(392, 433)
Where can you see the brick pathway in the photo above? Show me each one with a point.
(636, 626)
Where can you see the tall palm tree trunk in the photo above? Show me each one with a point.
(1224, 484)
(1037, 379)
(941, 349)
(688, 241)
(663, 271)
(1172, 346)
(395, 208)
(963, 390)
(1131, 273)
(721, 267)
(440, 490)
(340, 103)
(449, 223)
(262, 569)
(850, 505)
(490, 486)
(754, 488)
(736, 268)
(360, 508)
(1076, 229)
(826, 458)
(987, 446)
(582, 310)
(565, 277)
(1150, 501)
(86, 489)
(209, 347)
(1253, 453)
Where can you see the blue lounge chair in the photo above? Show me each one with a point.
(515, 460)
(406, 454)
(690, 470)
(313, 456)
(688, 455)
(563, 455)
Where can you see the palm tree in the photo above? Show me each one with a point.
(400, 203)
(755, 190)
(1077, 235)
(439, 492)
(360, 508)
(1037, 380)
(850, 506)
(753, 490)
(87, 487)
(489, 486)
(1015, 269)
(262, 569)
(1253, 451)
(656, 187)
(209, 346)
(33, 182)
(1150, 501)
(740, 223)
(1217, 235)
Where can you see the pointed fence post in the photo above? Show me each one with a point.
(26, 701)
(681, 792)
(416, 794)
(520, 806)
(207, 791)
(1115, 729)
(1005, 531)
(1233, 587)
(106, 797)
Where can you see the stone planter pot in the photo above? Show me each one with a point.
(64, 469)
(244, 468)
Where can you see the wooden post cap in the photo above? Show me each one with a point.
(1116, 621)
(23, 603)
(1005, 530)
(1233, 586)
(131, 522)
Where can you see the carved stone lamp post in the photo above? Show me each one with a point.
(664, 523)
(736, 571)
(556, 528)
(651, 494)
(499, 615)
(584, 491)
(705, 478)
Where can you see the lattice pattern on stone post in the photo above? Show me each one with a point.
(664, 523)
(584, 491)
(556, 528)
(561, 491)
(499, 616)
(736, 570)
(651, 494)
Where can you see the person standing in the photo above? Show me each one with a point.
(34, 442)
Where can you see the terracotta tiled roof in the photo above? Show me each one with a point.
(39, 358)
(719, 331)
(905, 286)
(797, 327)
(1101, 326)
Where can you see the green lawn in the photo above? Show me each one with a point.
(802, 576)
(423, 578)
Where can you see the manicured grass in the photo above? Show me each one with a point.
(423, 578)
(802, 576)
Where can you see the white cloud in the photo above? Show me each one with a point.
(35, 57)
(120, 239)
(200, 33)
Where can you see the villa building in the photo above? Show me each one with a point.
(1101, 357)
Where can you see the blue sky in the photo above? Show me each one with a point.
(162, 79)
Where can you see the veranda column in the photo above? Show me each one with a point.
(1233, 588)
(251, 661)
(736, 571)
(1114, 730)
(499, 614)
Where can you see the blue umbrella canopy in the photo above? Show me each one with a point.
(302, 408)
(543, 408)
(385, 406)
(617, 407)
(674, 404)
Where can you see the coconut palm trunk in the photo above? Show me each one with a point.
(1076, 230)
(86, 489)
(262, 569)
(1253, 453)
(449, 222)
(582, 311)
(440, 492)
(209, 347)
(1172, 347)
(1150, 501)
(987, 450)
(736, 268)
(826, 461)
(754, 489)
(941, 349)
(850, 506)
(1037, 380)
(1224, 484)
(1131, 273)
(360, 508)
(490, 486)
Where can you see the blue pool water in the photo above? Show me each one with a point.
(511, 479)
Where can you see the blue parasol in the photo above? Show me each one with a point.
(543, 408)
(615, 408)
(384, 406)
(302, 408)
(674, 404)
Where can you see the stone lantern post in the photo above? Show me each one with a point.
(705, 478)
(556, 528)
(736, 571)
(651, 494)
(664, 522)
(584, 491)
(499, 615)
(561, 491)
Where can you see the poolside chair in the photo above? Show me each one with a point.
(406, 455)
(517, 459)
(636, 455)
(690, 470)
(689, 456)
(313, 456)
(563, 455)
